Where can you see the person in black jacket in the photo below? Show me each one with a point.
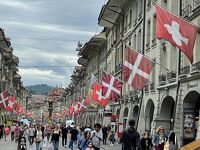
(130, 138)
(64, 135)
(73, 140)
(146, 142)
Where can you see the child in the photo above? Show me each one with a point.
(90, 146)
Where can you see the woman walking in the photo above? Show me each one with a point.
(55, 137)
(159, 139)
(38, 138)
(84, 142)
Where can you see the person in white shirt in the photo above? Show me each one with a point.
(12, 129)
(96, 136)
(38, 138)
(31, 134)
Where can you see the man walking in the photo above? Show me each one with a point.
(130, 138)
(96, 136)
(64, 135)
(105, 134)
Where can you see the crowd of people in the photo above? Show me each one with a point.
(86, 138)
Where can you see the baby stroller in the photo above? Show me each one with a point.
(22, 144)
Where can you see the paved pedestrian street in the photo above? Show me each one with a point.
(10, 145)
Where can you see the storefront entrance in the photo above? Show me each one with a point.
(191, 108)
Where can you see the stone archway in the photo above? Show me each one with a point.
(191, 114)
(125, 117)
(149, 112)
(135, 113)
(166, 113)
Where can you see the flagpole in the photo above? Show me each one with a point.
(178, 73)
(143, 41)
(153, 61)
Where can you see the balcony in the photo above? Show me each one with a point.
(186, 11)
(184, 71)
(171, 76)
(195, 68)
(162, 79)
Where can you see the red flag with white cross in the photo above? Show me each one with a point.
(10, 104)
(111, 87)
(3, 99)
(136, 69)
(97, 95)
(177, 31)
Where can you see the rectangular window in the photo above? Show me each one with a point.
(148, 34)
(130, 19)
(154, 30)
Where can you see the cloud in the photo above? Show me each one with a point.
(16, 4)
(46, 32)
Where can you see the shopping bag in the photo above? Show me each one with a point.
(166, 146)
(50, 146)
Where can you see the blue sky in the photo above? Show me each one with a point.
(46, 32)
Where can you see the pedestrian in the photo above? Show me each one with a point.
(84, 142)
(48, 132)
(146, 142)
(73, 140)
(172, 141)
(38, 138)
(90, 146)
(12, 129)
(112, 136)
(16, 132)
(159, 138)
(6, 132)
(55, 137)
(64, 135)
(1, 130)
(31, 134)
(130, 138)
(105, 134)
(21, 137)
(97, 136)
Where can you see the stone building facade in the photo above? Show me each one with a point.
(171, 95)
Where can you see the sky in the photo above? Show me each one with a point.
(44, 34)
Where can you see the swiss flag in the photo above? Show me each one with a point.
(11, 104)
(136, 69)
(71, 110)
(177, 31)
(3, 99)
(111, 86)
(65, 111)
(97, 95)
(76, 107)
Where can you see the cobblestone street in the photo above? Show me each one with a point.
(10, 145)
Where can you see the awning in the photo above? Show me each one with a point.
(93, 45)
(82, 61)
(109, 13)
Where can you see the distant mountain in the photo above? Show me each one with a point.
(41, 89)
